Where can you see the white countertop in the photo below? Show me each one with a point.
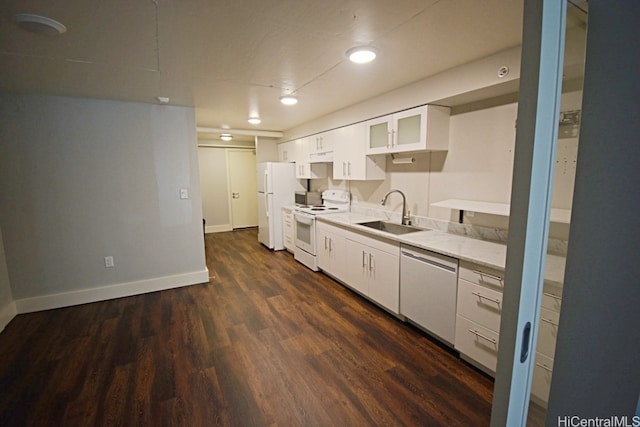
(481, 252)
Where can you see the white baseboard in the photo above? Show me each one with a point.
(83, 296)
(217, 228)
(7, 312)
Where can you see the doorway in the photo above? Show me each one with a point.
(243, 203)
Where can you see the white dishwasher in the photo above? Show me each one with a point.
(428, 288)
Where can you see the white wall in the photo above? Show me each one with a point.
(479, 162)
(7, 306)
(215, 188)
(82, 179)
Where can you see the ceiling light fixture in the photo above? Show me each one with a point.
(39, 24)
(163, 99)
(289, 100)
(361, 54)
(226, 137)
(254, 120)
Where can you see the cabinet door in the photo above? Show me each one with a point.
(302, 170)
(286, 151)
(336, 247)
(379, 135)
(357, 275)
(349, 155)
(311, 170)
(384, 279)
(409, 131)
(288, 230)
(345, 148)
(322, 142)
(323, 247)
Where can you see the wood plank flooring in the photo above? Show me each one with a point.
(266, 342)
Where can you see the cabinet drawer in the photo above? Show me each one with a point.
(547, 332)
(477, 343)
(541, 383)
(479, 304)
(480, 275)
(551, 302)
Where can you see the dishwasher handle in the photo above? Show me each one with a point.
(429, 261)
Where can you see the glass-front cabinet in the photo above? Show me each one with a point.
(416, 129)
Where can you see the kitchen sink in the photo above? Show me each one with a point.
(391, 227)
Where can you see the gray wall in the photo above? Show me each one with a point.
(82, 179)
(597, 364)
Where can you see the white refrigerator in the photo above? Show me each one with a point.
(277, 185)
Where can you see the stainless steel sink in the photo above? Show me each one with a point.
(391, 227)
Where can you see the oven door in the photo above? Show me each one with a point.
(305, 232)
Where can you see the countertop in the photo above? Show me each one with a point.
(481, 252)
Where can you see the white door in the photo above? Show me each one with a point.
(243, 188)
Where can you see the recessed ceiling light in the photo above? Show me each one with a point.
(39, 24)
(254, 120)
(226, 137)
(289, 100)
(163, 99)
(361, 54)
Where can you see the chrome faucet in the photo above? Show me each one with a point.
(406, 215)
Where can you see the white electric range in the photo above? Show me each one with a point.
(333, 201)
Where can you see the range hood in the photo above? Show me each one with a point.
(325, 157)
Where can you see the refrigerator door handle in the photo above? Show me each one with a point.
(266, 204)
(266, 174)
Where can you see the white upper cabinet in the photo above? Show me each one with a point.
(321, 143)
(349, 155)
(417, 129)
(286, 151)
(304, 168)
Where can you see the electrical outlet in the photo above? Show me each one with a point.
(108, 262)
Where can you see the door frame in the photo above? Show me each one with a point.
(544, 24)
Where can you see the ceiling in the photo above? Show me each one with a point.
(233, 59)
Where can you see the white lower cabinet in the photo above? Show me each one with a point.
(541, 384)
(288, 230)
(477, 343)
(366, 264)
(384, 281)
(331, 250)
(478, 312)
(374, 267)
(546, 348)
(478, 316)
(358, 262)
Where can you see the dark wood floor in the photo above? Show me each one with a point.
(266, 342)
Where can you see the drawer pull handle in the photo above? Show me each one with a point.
(484, 337)
(555, 297)
(482, 275)
(545, 367)
(549, 321)
(479, 295)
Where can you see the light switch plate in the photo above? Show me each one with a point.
(184, 193)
